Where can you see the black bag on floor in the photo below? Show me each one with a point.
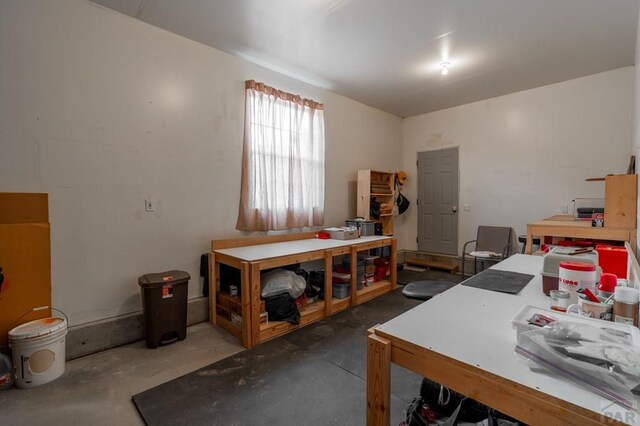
(445, 401)
(282, 307)
(449, 408)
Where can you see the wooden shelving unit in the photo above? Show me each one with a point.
(379, 186)
(253, 255)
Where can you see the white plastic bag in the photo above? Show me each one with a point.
(281, 281)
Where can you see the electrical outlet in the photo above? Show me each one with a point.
(466, 207)
(150, 205)
(564, 209)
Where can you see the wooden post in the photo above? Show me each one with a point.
(254, 292)
(393, 264)
(245, 303)
(214, 278)
(529, 243)
(328, 283)
(378, 381)
(353, 260)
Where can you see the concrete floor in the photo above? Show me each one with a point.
(97, 389)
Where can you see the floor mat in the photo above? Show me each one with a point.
(497, 280)
(314, 375)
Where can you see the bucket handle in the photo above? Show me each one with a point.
(36, 309)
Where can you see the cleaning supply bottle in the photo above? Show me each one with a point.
(607, 284)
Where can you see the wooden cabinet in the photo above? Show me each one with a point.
(379, 187)
(620, 201)
(241, 316)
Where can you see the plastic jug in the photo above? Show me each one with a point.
(6, 373)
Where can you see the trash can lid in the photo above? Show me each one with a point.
(163, 278)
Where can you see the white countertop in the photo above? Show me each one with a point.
(474, 326)
(286, 248)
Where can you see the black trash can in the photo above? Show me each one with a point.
(164, 304)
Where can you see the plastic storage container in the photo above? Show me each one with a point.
(360, 268)
(551, 265)
(575, 276)
(613, 260)
(365, 227)
(520, 322)
(340, 290)
(164, 304)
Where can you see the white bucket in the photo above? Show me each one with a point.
(38, 351)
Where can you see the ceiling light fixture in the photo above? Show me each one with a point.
(445, 68)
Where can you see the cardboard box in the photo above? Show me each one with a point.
(25, 256)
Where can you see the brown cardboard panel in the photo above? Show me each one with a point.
(18, 207)
(620, 202)
(25, 257)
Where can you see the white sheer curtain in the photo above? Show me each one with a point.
(282, 161)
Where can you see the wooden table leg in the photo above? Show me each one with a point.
(254, 317)
(214, 277)
(353, 260)
(378, 381)
(245, 303)
(529, 242)
(393, 264)
(328, 283)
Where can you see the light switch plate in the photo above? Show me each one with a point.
(466, 207)
(564, 209)
(150, 205)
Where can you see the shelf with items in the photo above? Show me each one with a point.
(249, 257)
(376, 197)
(308, 314)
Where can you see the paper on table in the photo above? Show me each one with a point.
(486, 254)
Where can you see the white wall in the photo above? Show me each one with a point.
(102, 111)
(524, 155)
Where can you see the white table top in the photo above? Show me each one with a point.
(271, 250)
(474, 326)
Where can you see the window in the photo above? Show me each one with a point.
(282, 161)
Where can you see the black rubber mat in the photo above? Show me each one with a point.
(502, 281)
(314, 375)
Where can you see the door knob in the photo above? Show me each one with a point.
(454, 208)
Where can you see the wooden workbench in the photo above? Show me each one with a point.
(464, 340)
(252, 255)
(569, 227)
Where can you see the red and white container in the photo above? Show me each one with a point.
(574, 276)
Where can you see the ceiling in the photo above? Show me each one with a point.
(387, 53)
